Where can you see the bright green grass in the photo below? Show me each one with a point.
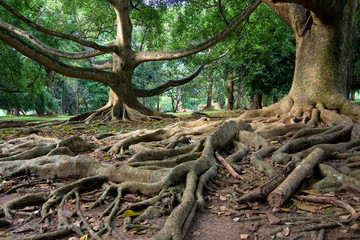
(33, 118)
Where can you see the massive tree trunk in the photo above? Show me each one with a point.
(323, 36)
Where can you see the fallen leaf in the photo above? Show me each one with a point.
(286, 231)
(85, 237)
(130, 213)
(346, 217)
(254, 227)
(222, 198)
(68, 214)
(236, 219)
(219, 213)
(223, 208)
(130, 198)
(313, 192)
(272, 219)
(244, 236)
(197, 233)
(306, 207)
(211, 206)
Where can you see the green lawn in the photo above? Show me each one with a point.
(32, 118)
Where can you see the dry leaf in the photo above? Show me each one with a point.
(236, 219)
(272, 219)
(223, 208)
(68, 214)
(244, 236)
(222, 198)
(130, 198)
(313, 192)
(254, 227)
(305, 207)
(286, 231)
(346, 217)
(85, 237)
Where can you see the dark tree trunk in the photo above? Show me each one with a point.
(258, 101)
(230, 94)
(210, 94)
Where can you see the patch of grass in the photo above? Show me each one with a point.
(33, 118)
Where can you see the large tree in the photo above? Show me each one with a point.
(173, 164)
(123, 103)
(324, 38)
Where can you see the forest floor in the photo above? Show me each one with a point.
(222, 218)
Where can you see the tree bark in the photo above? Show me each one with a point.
(210, 94)
(258, 101)
(230, 94)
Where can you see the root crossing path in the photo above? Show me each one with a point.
(152, 184)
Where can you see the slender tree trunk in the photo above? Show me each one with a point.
(258, 101)
(210, 94)
(76, 111)
(274, 98)
(230, 94)
(239, 95)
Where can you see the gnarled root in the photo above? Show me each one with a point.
(171, 168)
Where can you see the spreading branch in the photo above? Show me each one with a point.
(83, 42)
(170, 55)
(47, 48)
(52, 63)
(323, 9)
(101, 64)
(167, 86)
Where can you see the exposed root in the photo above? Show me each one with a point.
(166, 171)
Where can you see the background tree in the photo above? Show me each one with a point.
(123, 103)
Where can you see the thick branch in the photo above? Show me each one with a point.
(157, 56)
(52, 63)
(102, 64)
(55, 33)
(324, 9)
(48, 49)
(292, 14)
(167, 86)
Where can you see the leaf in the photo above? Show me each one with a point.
(286, 231)
(130, 198)
(313, 192)
(211, 206)
(130, 213)
(220, 213)
(222, 198)
(306, 207)
(272, 219)
(85, 237)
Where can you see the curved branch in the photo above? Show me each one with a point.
(101, 64)
(157, 56)
(83, 42)
(52, 63)
(46, 48)
(323, 9)
(292, 14)
(167, 86)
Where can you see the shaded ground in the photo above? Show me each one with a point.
(222, 218)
